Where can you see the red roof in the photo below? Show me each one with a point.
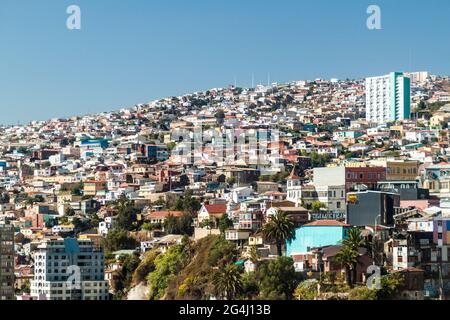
(409, 269)
(327, 223)
(165, 214)
(216, 208)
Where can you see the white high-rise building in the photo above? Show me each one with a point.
(69, 269)
(388, 98)
(417, 77)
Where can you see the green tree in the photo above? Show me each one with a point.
(76, 189)
(171, 225)
(222, 253)
(355, 241)
(231, 181)
(167, 266)
(25, 287)
(390, 286)
(254, 254)
(185, 225)
(306, 290)
(69, 212)
(126, 214)
(146, 266)
(250, 287)
(224, 223)
(188, 204)
(36, 199)
(123, 278)
(118, 240)
(220, 116)
(63, 220)
(151, 226)
(179, 225)
(4, 197)
(277, 279)
(422, 106)
(81, 224)
(279, 230)
(348, 257)
(316, 206)
(362, 293)
(227, 282)
(171, 146)
(319, 160)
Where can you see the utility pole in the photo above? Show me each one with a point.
(441, 281)
(374, 239)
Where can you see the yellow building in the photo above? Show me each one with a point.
(92, 187)
(438, 118)
(402, 170)
(96, 238)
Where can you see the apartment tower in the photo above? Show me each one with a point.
(388, 98)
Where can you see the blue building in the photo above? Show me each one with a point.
(103, 143)
(317, 234)
(157, 152)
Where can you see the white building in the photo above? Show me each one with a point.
(388, 98)
(333, 197)
(56, 159)
(105, 226)
(417, 77)
(402, 257)
(420, 224)
(55, 275)
(294, 188)
(240, 194)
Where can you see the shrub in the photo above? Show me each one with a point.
(362, 293)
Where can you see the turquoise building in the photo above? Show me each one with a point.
(388, 98)
(317, 234)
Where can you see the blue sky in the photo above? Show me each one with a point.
(135, 51)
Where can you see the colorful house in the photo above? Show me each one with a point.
(317, 234)
(441, 233)
(211, 211)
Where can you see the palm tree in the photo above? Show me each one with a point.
(254, 254)
(354, 239)
(280, 229)
(123, 203)
(228, 282)
(348, 257)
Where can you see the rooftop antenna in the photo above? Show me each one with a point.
(268, 79)
(235, 82)
(410, 60)
(253, 80)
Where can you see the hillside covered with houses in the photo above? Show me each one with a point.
(302, 190)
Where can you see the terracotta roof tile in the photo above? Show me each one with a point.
(216, 208)
(165, 214)
(327, 223)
